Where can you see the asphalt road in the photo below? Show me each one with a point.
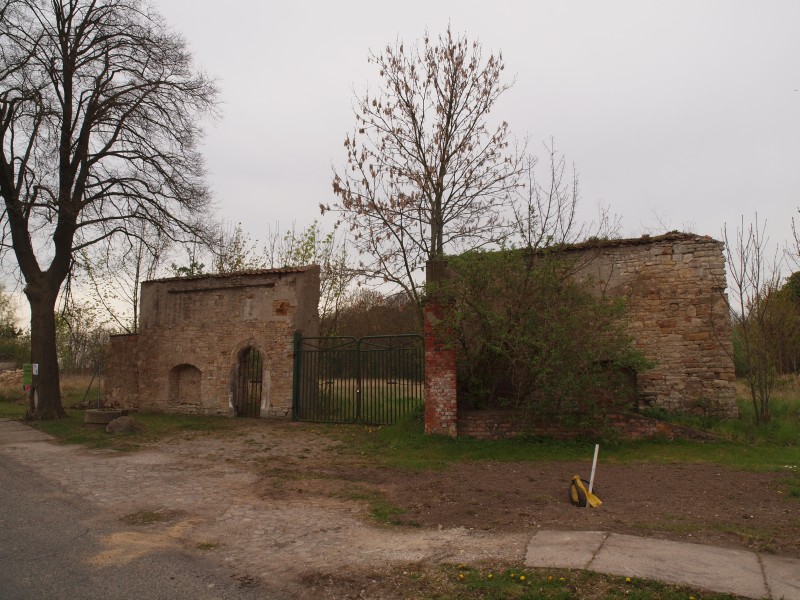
(47, 538)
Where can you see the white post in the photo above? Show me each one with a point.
(594, 466)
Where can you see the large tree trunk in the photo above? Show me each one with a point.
(45, 400)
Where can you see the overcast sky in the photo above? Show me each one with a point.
(677, 114)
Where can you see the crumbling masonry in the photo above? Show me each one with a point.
(196, 334)
(674, 286)
(195, 337)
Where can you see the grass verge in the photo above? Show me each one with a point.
(406, 446)
(466, 582)
(783, 428)
(154, 426)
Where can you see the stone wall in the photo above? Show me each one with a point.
(674, 287)
(122, 371)
(193, 332)
(11, 378)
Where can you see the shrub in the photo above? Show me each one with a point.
(16, 347)
(529, 336)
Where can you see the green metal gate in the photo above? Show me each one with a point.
(375, 380)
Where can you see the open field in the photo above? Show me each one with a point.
(380, 401)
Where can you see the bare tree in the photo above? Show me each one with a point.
(115, 269)
(753, 283)
(99, 108)
(234, 250)
(545, 209)
(366, 311)
(426, 173)
(313, 245)
(195, 251)
(82, 334)
(8, 314)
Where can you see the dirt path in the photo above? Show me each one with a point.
(237, 499)
(282, 504)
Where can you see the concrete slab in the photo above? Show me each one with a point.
(782, 575)
(707, 567)
(564, 549)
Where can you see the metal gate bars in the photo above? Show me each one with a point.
(375, 380)
(249, 384)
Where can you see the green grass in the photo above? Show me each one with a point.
(783, 429)
(774, 446)
(11, 409)
(207, 546)
(155, 426)
(381, 401)
(404, 445)
(447, 582)
(76, 389)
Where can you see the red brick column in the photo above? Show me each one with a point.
(441, 413)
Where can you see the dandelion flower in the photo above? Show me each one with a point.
(627, 580)
(461, 576)
(522, 577)
(489, 576)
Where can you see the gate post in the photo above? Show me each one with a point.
(441, 409)
(298, 339)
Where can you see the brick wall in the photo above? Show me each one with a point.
(499, 424)
(441, 409)
(122, 371)
(193, 330)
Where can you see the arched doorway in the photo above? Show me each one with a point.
(249, 383)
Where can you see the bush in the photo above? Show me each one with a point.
(529, 336)
(15, 348)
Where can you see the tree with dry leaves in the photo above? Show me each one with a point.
(426, 173)
(99, 130)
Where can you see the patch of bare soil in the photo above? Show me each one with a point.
(693, 502)
(288, 505)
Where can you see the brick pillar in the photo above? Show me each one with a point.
(441, 413)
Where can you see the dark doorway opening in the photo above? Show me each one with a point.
(249, 385)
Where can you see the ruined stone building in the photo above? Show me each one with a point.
(215, 344)
(224, 344)
(674, 287)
